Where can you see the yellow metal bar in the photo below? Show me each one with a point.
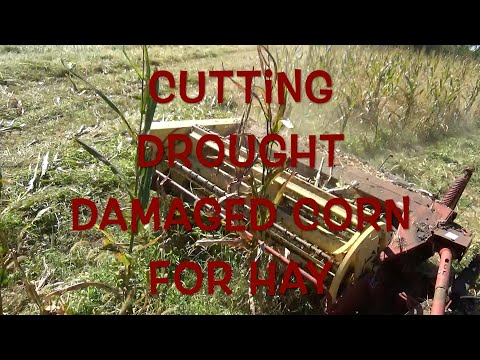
(162, 129)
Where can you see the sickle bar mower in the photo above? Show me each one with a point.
(368, 270)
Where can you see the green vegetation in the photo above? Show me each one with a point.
(422, 108)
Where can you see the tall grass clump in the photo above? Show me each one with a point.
(138, 189)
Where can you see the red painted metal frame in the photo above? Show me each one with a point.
(442, 283)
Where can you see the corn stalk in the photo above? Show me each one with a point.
(139, 187)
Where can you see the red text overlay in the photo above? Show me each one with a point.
(279, 158)
(294, 87)
(292, 271)
(177, 215)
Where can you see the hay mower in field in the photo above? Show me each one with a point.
(368, 269)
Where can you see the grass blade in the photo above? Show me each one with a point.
(145, 184)
(105, 98)
(151, 108)
(133, 65)
(147, 61)
(272, 175)
(279, 195)
(92, 151)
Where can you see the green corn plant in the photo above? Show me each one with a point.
(472, 96)
(410, 92)
(273, 120)
(273, 123)
(139, 187)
